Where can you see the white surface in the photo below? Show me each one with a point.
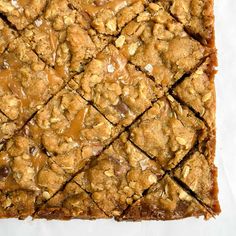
(225, 224)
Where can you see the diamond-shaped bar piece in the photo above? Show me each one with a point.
(167, 132)
(6, 35)
(119, 176)
(70, 130)
(115, 87)
(26, 83)
(198, 91)
(197, 17)
(200, 176)
(71, 202)
(109, 17)
(24, 166)
(63, 38)
(21, 13)
(16, 204)
(157, 44)
(27, 177)
(166, 200)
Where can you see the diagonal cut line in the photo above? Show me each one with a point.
(126, 127)
(192, 194)
(189, 73)
(180, 163)
(144, 193)
(3, 113)
(12, 26)
(90, 160)
(144, 152)
(77, 172)
(196, 114)
(89, 194)
(195, 37)
(33, 115)
(95, 107)
(185, 75)
(138, 68)
(44, 104)
(182, 102)
(73, 73)
(8, 23)
(184, 159)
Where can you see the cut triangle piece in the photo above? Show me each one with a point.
(72, 202)
(196, 16)
(200, 177)
(165, 201)
(198, 91)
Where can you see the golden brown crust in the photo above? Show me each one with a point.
(198, 91)
(200, 176)
(115, 87)
(196, 15)
(26, 83)
(17, 204)
(168, 131)
(165, 201)
(72, 202)
(107, 109)
(119, 176)
(159, 45)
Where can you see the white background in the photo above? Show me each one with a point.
(225, 224)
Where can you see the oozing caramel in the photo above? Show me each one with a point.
(76, 125)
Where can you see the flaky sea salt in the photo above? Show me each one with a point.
(144, 165)
(148, 68)
(110, 68)
(38, 22)
(15, 4)
(5, 64)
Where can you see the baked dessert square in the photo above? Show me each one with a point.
(107, 109)
(26, 84)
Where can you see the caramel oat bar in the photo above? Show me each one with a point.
(115, 87)
(167, 132)
(71, 202)
(165, 200)
(200, 176)
(63, 37)
(27, 83)
(198, 92)
(107, 109)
